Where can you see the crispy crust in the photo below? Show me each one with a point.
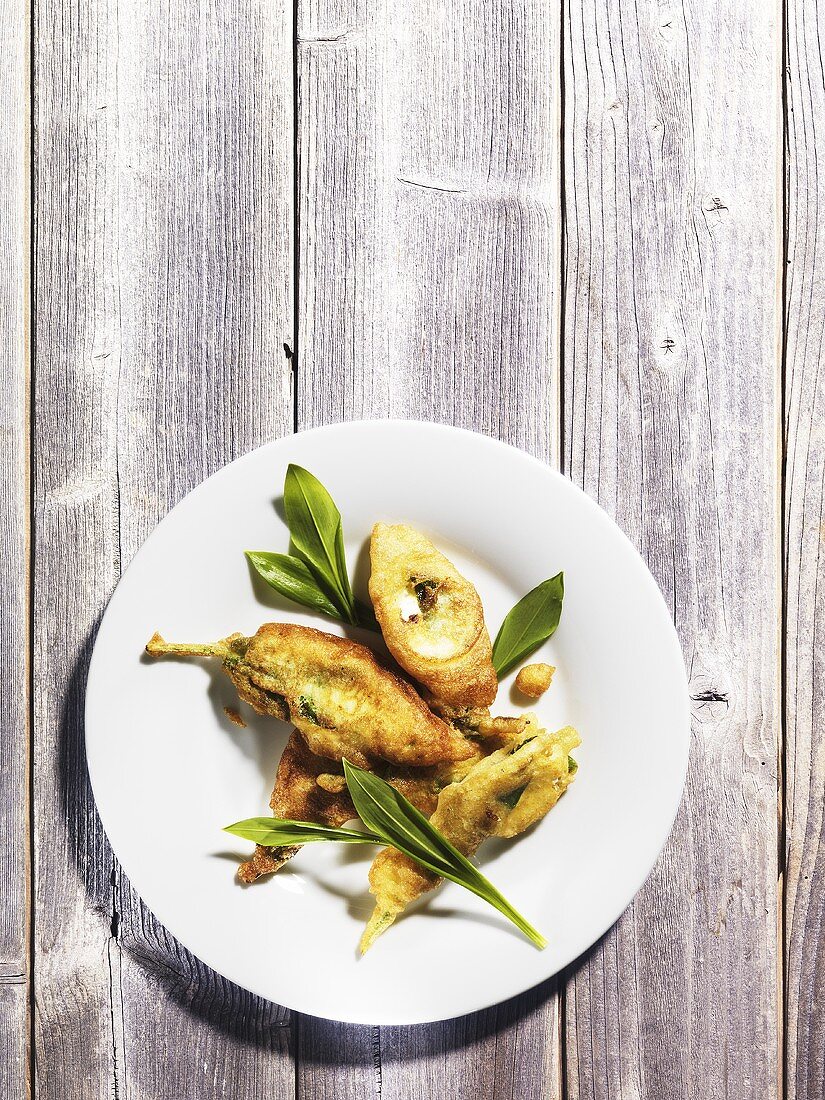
(343, 701)
(298, 797)
(534, 680)
(265, 861)
(443, 641)
(477, 722)
(536, 771)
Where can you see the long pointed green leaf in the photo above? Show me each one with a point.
(274, 832)
(389, 814)
(365, 616)
(317, 533)
(291, 578)
(530, 623)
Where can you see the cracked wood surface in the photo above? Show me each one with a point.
(804, 910)
(163, 301)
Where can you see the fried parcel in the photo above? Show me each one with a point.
(501, 795)
(343, 702)
(431, 617)
(310, 788)
(298, 796)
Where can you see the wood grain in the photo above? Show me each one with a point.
(673, 229)
(805, 561)
(14, 569)
(428, 268)
(429, 215)
(14, 1036)
(163, 299)
(429, 285)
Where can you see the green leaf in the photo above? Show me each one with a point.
(274, 832)
(388, 814)
(529, 624)
(317, 534)
(316, 575)
(291, 578)
(365, 616)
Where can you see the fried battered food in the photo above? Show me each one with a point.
(431, 617)
(534, 680)
(477, 722)
(485, 734)
(299, 796)
(310, 788)
(502, 795)
(334, 691)
(333, 783)
(422, 786)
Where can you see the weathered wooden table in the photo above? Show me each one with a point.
(572, 226)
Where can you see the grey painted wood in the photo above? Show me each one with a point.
(805, 563)
(671, 336)
(14, 626)
(428, 268)
(163, 301)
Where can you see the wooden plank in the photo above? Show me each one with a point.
(14, 1036)
(164, 259)
(510, 1050)
(804, 909)
(428, 228)
(14, 524)
(673, 230)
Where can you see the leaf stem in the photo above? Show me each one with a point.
(158, 647)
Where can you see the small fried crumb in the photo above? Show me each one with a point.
(332, 783)
(534, 680)
(234, 716)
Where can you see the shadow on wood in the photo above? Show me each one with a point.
(168, 969)
(430, 1040)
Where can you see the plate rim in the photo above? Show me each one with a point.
(682, 729)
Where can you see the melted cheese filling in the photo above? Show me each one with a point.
(431, 634)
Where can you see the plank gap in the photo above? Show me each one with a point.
(782, 748)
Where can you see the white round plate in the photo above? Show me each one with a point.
(169, 770)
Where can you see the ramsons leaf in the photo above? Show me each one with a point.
(291, 577)
(530, 623)
(388, 814)
(274, 832)
(317, 535)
